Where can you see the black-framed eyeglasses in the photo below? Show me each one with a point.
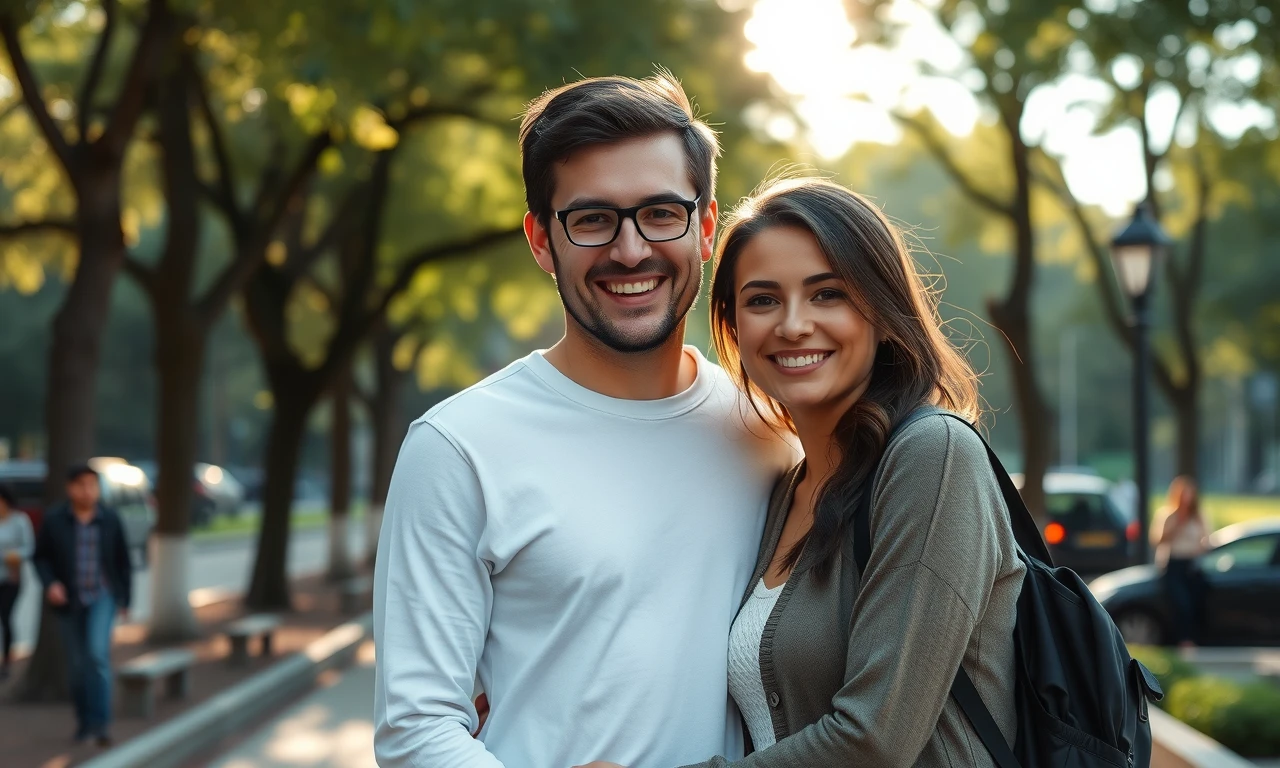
(596, 225)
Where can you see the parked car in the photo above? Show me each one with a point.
(216, 492)
(1088, 528)
(125, 489)
(1240, 600)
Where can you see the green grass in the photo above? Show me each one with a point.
(1222, 511)
(305, 517)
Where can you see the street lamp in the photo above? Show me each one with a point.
(1136, 252)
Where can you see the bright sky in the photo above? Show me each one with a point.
(844, 95)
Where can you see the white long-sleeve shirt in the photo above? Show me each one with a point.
(584, 557)
(15, 536)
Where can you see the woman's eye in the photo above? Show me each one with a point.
(759, 300)
(828, 294)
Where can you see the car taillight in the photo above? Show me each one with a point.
(1132, 531)
(1055, 533)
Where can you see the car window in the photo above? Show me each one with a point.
(1251, 552)
(1080, 511)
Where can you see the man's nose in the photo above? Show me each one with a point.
(629, 248)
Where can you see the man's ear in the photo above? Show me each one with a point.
(539, 242)
(707, 231)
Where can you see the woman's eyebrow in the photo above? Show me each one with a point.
(822, 278)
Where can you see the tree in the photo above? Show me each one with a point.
(1189, 53)
(88, 144)
(1014, 49)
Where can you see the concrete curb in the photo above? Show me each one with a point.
(1178, 745)
(177, 741)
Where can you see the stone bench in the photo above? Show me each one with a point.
(137, 678)
(240, 631)
(355, 593)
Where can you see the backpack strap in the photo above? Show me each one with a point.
(1025, 532)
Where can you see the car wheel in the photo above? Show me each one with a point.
(1139, 627)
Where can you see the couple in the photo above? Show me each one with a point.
(617, 540)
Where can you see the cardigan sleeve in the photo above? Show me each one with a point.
(935, 559)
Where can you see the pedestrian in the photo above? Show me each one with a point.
(817, 305)
(575, 531)
(83, 561)
(16, 546)
(1180, 536)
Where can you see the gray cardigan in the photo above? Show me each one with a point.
(859, 674)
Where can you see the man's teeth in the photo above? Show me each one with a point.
(799, 362)
(647, 285)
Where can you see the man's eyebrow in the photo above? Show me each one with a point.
(602, 202)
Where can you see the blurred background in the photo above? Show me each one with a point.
(243, 244)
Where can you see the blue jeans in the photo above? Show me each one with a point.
(86, 634)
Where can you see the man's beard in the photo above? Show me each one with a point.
(591, 319)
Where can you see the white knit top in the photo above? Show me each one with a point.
(744, 663)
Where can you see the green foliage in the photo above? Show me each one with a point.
(1242, 717)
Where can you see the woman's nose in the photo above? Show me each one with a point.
(796, 324)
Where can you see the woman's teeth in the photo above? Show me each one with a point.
(642, 287)
(800, 362)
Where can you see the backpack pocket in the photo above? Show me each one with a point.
(1058, 745)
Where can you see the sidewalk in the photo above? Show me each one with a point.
(330, 728)
(39, 735)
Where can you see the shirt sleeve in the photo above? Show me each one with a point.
(432, 605)
(28, 545)
(932, 569)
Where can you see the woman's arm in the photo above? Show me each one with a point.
(937, 512)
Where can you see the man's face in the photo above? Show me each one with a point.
(83, 491)
(630, 295)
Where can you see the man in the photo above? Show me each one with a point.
(576, 531)
(83, 561)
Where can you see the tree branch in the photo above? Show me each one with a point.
(944, 158)
(155, 34)
(97, 67)
(143, 275)
(31, 94)
(297, 180)
(224, 194)
(64, 226)
(435, 253)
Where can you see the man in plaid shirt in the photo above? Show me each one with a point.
(83, 560)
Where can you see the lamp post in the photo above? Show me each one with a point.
(1136, 252)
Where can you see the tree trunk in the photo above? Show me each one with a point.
(388, 432)
(340, 477)
(70, 408)
(1186, 409)
(180, 363)
(294, 399)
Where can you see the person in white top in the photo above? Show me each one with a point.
(574, 533)
(16, 545)
(1181, 536)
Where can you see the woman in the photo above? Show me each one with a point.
(1180, 537)
(817, 307)
(16, 545)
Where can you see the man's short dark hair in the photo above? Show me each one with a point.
(604, 110)
(78, 471)
(7, 496)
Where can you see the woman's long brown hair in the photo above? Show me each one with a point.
(915, 364)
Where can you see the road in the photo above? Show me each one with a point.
(220, 564)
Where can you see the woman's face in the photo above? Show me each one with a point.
(800, 336)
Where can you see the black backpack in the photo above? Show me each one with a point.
(1081, 699)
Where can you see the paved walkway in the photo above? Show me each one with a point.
(331, 728)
